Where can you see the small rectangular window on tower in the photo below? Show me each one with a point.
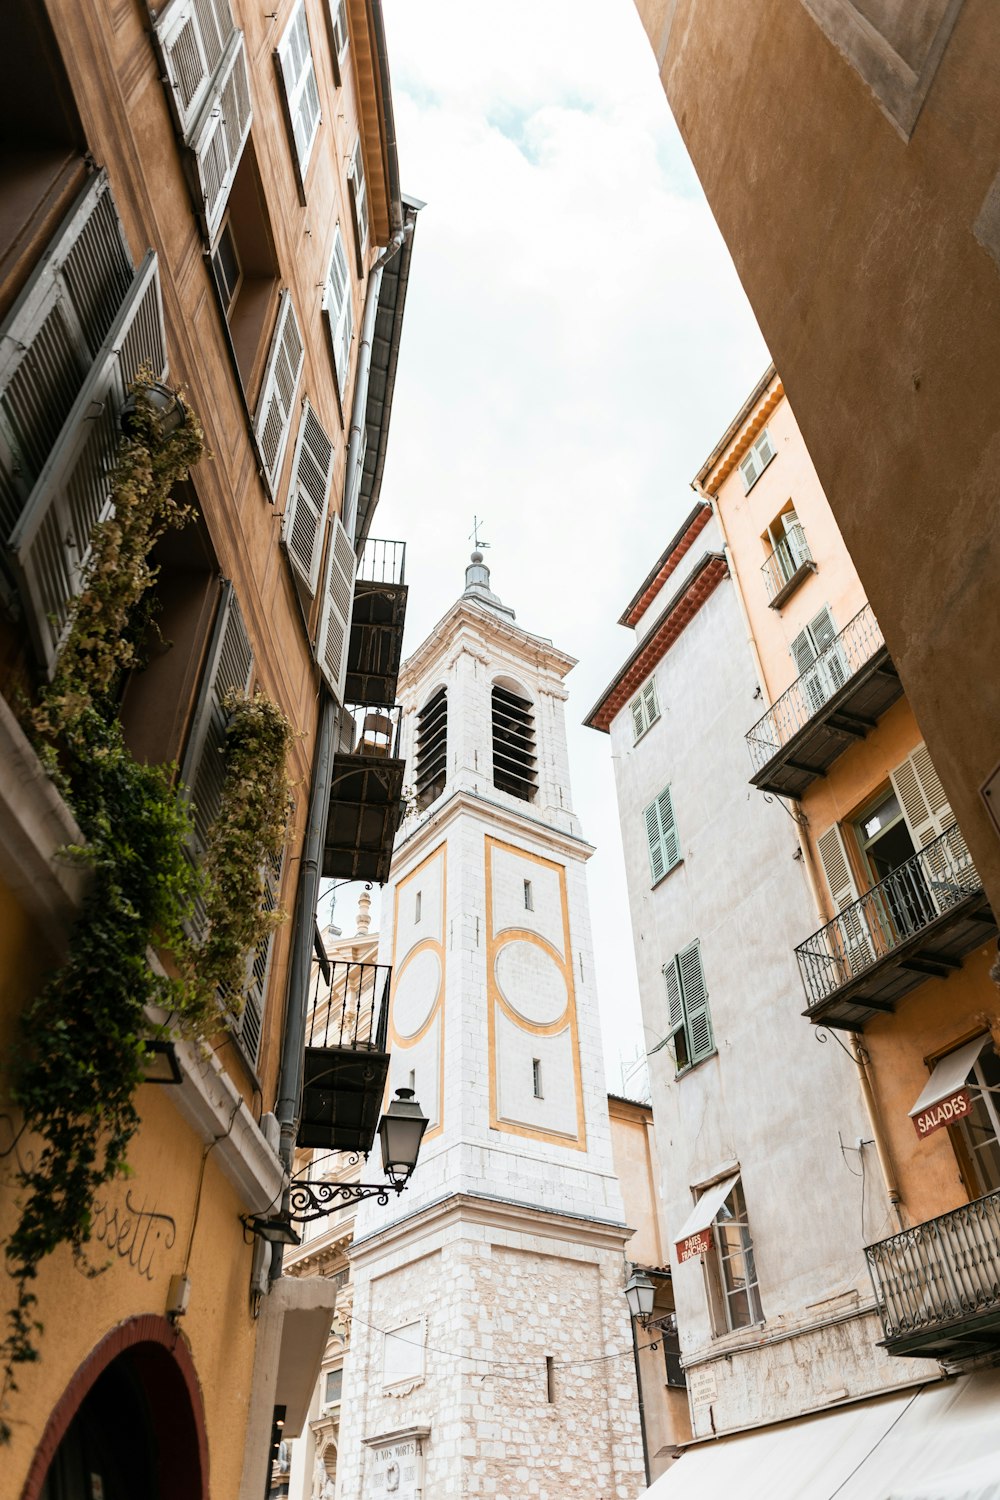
(536, 1077)
(550, 1379)
(416, 907)
(529, 899)
(413, 1080)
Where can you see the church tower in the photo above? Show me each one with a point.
(491, 1350)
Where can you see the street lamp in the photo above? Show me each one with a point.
(640, 1294)
(401, 1129)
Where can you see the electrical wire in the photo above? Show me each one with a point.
(898, 1417)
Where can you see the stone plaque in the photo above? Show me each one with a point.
(396, 1467)
(702, 1386)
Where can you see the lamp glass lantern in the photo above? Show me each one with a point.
(401, 1129)
(640, 1294)
(166, 405)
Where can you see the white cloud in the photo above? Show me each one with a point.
(576, 340)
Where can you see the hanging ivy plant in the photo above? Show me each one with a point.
(80, 1054)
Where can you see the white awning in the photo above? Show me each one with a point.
(939, 1442)
(706, 1208)
(949, 1075)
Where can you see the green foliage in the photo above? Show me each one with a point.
(81, 1051)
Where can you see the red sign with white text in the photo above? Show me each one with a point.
(695, 1244)
(945, 1112)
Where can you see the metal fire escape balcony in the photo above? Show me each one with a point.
(917, 923)
(366, 794)
(376, 643)
(938, 1284)
(346, 1062)
(835, 702)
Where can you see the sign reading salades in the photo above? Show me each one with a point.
(945, 1112)
(694, 1244)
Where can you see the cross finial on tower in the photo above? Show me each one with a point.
(474, 535)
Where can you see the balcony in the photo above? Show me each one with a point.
(917, 923)
(366, 794)
(785, 568)
(938, 1284)
(346, 1061)
(835, 702)
(376, 642)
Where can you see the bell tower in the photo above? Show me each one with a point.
(484, 1292)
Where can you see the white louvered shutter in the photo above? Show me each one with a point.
(852, 937)
(749, 470)
(338, 600)
(359, 198)
(803, 651)
(312, 471)
(338, 27)
(229, 668)
(298, 75)
(193, 36)
(339, 309)
(922, 797)
(51, 541)
(277, 398)
(649, 703)
(223, 135)
(699, 1022)
(763, 449)
(53, 335)
(638, 718)
(833, 666)
(836, 868)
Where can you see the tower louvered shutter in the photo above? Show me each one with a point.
(223, 135)
(53, 335)
(193, 37)
(661, 834)
(229, 668)
(699, 1023)
(312, 470)
(335, 620)
(50, 542)
(281, 381)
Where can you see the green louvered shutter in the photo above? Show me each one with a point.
(699, 1022)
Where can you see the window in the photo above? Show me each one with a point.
(757, 459)
(550, 1379)
(689, 1023)
(295, 61)
(417, 903)
(305, 512)
(332, 1387)
(431, 748)
(359, 201)
(661, 835)
(281, 381)
(536, 1077)
(787, 555)
(339, 309)
(338, 32)
(645, 710)
(979, 1131)
(227, 268)
(820, 661)
(334, 635)
(730, 1267)
(514, 756)
(529, 899)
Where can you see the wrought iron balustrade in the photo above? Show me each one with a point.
(789, 556)
(382, 562)
(346, 1061)
(855, 646)
(942, 1278)
(353, 1011)
(370, 729)
(933, 881)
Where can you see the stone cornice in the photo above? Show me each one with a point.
(517, 1218)
(482, 625)
(458, 802)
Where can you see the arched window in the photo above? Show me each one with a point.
(432, 748)
(514, 759)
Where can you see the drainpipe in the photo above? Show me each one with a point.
(860, 1054)
(307, 897)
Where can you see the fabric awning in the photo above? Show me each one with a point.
(706, 1208)
(938, 1442)
(944, 1098)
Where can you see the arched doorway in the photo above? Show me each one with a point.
(129, 1423)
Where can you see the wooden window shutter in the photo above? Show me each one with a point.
(221, 139)
(649, 703)
(922, 797)
(803, 652)
(50, 542)
(54, 333)
(298, 77)
(281, 381)
(763, 449)
(193, 36)
(699, 1022)
(248, 1026)
(302, 525)
(668, 828)
(229, 667)
(749, 470)
(675, 999)
(334, 635)
(338, 32)
(638, 718)
(339, 309)
(836, 867)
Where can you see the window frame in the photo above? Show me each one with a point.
(294, 89)
(338, 306)
(358, 188)
(723, 1287)
(756, 459)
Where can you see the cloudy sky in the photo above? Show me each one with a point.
(576, 340)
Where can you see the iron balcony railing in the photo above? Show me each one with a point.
(927, 885)
(781, 565)
(939, 1273)
(382, 562)
(370, 729)
(846, 654)
(353, 1011)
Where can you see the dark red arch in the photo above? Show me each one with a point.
(167, 1371)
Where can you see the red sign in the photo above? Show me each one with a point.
(695, 1244)
(945, 1112)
